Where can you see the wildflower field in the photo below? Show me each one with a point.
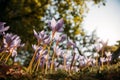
(50, 61)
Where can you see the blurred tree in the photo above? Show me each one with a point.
(116, 53)
(87, 43)
(24, 15)
(73, 12)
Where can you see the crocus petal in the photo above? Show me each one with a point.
(47, 41)
(22, 45)
(49, 24)
(60, 38)
(59, 25)
(34, 47)
(45, 52)
(42, 33)
(58, 51)
(71, 44)
(36, 34)
(56, 26)
(45, 37)
(53, 23)
(14, 53)
(4, 29)
(102, 59)
(63, 37)
(2, 23)
(108, 54)
(61, 30)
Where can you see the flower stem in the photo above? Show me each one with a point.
(8, 57)
(64, 63)
(52, 63)
(46, 67)
(72, 61)
(96, 61)
(2, 56)
(39, 60)
(51, 66)
(29, 69)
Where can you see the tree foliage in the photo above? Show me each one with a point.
(23, 15)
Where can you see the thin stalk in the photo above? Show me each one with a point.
(96, 61)
(66, 60)
(86, 66)
(72, 61)
(46, 67)
(53, 57)
(29, 69)
(2, 56)
(8, 57)
(35, 66)
(64, 63)
(47, 57)
(9, 54)
(39, 60)
(43, 68)
(53, 33)
(102, 56)
(31, 62)
(108, 62)
(52, 63)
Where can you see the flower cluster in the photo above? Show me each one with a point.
(52, 56)
(42, 37)
(10, 43)
(46, 43)
(48, 54)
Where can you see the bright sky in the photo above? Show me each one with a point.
(106, 21)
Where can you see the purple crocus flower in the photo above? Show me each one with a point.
(2, 28)
(98, 48)
(11, 43)
(41, 55)
(108, 59)
(40, 51)
(56, 26)
(41, 36)
(11, 40)
(47, 41)
(60, 38)
(102, 59)
(37, 48)
(60, 67)
(14, 53)
(58, 51)
(82, 63)
(71, 44)
(81, 57)
(108, 54)
(89, 61)
(42, 62)
(96, 54)
(104, 43)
